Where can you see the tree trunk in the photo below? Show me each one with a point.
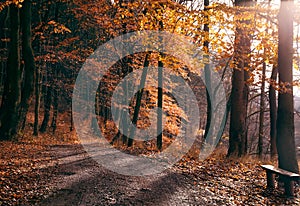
(160, 105)
(47, 107)
(124, 121)
(239, 92)
(160, 100)
(138, 100)
(37, 102)
(207, 74)
(4, 20)
(237, 131)
(285, 115)
(28, 58)
(10, 104)
(126, 69)
(273, 113)
(261, 113)
(55, 110)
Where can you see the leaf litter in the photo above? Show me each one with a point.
(29, 170)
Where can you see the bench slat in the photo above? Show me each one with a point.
(280, 171)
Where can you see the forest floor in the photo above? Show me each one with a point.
(47, 171)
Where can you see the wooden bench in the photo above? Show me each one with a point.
(287, 177)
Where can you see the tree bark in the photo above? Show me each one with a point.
(285, 115)
(159, 141)
(47, 107)
(55, 110)
(4, 19)
(10, 104)
(262, 112)
(240, 91)
(237, 131)
(37, 102)
(138, 101)
(207, 74)
(160, 105)
(28, 58)
(273, 113)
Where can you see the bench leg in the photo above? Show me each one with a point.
(289, 187)
(270, 180)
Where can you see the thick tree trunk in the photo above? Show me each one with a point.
(285, 116)
(237, 131)
(4, 20)
(10, 104)
(239, 92)
(28, 57)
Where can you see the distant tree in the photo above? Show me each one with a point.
(262, 112)
(207, 71)
(273, 111)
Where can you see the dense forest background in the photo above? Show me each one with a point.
(253, 45)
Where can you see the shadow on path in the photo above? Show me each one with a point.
(84, 182)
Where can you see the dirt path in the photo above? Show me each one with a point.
(79, 180)
(66, 175)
